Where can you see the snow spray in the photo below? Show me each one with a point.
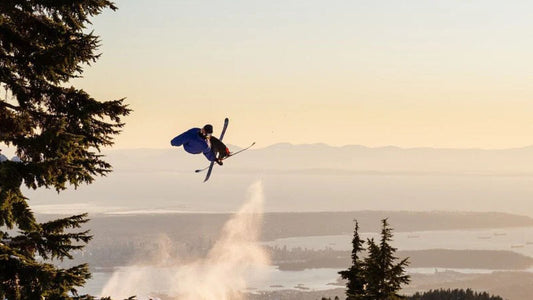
(221, 275)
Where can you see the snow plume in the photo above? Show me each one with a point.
(221, 275)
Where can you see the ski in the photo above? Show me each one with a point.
(201, 170)
(235, 153)
(230, 155)
(210, 168)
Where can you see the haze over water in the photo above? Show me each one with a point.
(308, 178)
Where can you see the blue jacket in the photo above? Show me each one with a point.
(193, 143)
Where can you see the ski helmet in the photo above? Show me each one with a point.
(208, 128)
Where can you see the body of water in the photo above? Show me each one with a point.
(519, 240)
(186, 192)
(270, 279)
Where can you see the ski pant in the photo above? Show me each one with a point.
(220, 150)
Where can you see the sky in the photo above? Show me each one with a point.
(418, 73)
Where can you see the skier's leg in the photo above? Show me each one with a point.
(219, 148)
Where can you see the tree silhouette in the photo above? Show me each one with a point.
(376, 276)
(57, 131)
(383, 276)
(355, 285)
(456, 294)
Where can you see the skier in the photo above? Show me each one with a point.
(199, 140)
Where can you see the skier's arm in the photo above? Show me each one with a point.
(180, 139)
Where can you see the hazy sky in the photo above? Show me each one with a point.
(454, 73)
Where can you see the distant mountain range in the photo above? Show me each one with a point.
(321, 158)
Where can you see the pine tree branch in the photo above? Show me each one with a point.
(7, 105)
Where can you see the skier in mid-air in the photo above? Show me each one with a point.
(200, 140)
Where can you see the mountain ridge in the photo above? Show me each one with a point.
(349, 158)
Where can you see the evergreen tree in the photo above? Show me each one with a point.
(355, 286)
(456, 294)
(57, 132)
(383, 276)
